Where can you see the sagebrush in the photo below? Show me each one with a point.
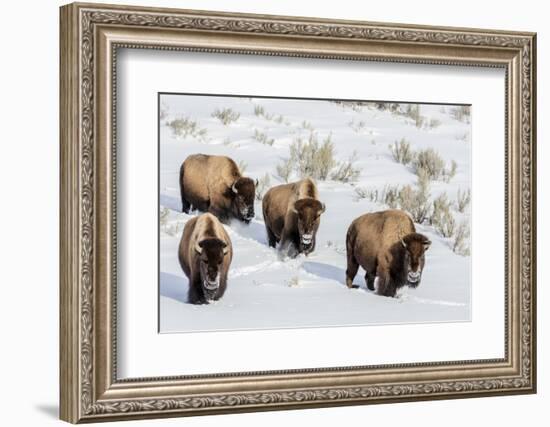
(226, 115)
(461, 243)
(184, 127)
(263, 138)
(346, 171)
(284, 169)
(242, 165)
(428, 161)
(413, 199)
(402, 152)
(312, 158)
(416, 200)
(358, 126)
(413, 111)
(463, 199)
(461, 113)
(442, 217)
(262, 185)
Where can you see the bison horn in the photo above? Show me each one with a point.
(403, 243)
(323, 207)
(233, 188)
(225, 250)
(198, 248)
(427, 244)
(256, 183)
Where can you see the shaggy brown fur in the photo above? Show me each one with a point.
(214, 184)
(387, 246)
(292, 216)
(205, 253)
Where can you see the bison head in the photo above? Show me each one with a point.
(308, 212)
(211, 254)
(415, 245)
(244, 191)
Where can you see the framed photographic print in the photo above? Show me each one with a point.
(266, 212)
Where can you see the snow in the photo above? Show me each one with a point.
(266, 292)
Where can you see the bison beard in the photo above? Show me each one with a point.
(211, 253)
(301, 227)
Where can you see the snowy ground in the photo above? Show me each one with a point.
(265, 292)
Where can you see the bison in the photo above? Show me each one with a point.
(387, 246)
(214, 184)
(292, 216)
(205, 253)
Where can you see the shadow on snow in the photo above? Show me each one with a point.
(174, 287)
(326, 271)
(170, 202)
(255, 230)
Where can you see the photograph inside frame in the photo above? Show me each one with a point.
(296, 213)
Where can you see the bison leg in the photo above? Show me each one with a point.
(351, 271)
(288, 248)
(369, 278)
(219, 213)
(391, 290)
(194, 296)
(271, 238)
(386, 286)
(185, 205)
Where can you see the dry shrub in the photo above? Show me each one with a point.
(184, 127)
(461, 244)
(413, 199)
(401, 151)
(346, 171)
(433, 123)
(416, 200)
(263, 138)
(442, 217)
(463, 199)
(429, 162)
(357, 127)
(226, 115)
(461, 113)
(262, 186)
(259, 110)
(311, 158)
(242, 165)
(284, 169)
(413, 111)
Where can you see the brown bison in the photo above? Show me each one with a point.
(292, 216)
(387, 246)
(214, 184)
(205, 253)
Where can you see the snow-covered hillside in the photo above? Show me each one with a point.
(266, 292)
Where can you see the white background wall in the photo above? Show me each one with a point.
(29, 170)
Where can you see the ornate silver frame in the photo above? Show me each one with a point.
(90, 36)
